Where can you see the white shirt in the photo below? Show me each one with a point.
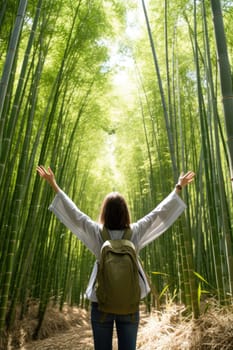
(144, 231)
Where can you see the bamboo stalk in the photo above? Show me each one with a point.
(14, 41)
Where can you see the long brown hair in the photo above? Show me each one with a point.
(114, 212)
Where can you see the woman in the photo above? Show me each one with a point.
(115, 217)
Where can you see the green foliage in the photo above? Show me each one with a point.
(83, 96)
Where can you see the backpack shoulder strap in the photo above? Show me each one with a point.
(105, 234)
(127, 234)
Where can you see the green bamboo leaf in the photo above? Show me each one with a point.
(163, 291)
(159, 273)
(200, 277)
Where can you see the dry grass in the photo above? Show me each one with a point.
(170, 330)
(167, 330)
(55, 324)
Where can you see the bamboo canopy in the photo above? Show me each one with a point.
(114, 96)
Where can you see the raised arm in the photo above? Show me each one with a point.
(71, 216)
(49, 176)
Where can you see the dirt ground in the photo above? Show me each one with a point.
(78, 337)
(169, 329)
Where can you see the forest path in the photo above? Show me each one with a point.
(163, 330)
(79, 337)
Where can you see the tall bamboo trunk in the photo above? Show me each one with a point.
(168, 126)
(14, 115)
(18, 193)
(227, 98)
(224, 75)
(14, 41)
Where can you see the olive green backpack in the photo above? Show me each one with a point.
(118, 289)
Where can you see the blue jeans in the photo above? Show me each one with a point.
(102, 327)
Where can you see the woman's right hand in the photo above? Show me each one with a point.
(184, 180)
(48, 176)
